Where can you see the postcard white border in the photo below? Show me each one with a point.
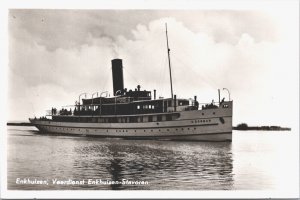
(123, 4)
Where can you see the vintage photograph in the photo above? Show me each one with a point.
(153, 100)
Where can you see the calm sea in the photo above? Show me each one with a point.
(255, 160)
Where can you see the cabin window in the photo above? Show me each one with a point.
(169, 117)
(154, 118)
(159, 118)
(133, 119)
(138, 107)
(152, 106)
(175, 116)
(150, 118)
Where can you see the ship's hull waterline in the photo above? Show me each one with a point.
(200, 125)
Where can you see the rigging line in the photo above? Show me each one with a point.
(137, 82)
(159, 82)
(191, 64)
(161, 72)
(197, 74)
(192, 69)
(105, 82)
(164, 77)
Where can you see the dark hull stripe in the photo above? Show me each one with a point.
(140, 136)
(163, 136)
(157, 127)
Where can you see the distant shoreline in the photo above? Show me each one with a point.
(261, 128)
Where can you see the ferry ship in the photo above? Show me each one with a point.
(137, 114)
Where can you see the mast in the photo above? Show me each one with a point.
(169, 61)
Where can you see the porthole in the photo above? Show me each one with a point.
(214, 113)
(144, 130)
(195, 128)
(167, 129)
(202, 113)
(192, 121)
(134, 130)
(182, 128)
(176, 129)
(188, 128)
(151, 130)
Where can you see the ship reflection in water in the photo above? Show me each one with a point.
(164, 164)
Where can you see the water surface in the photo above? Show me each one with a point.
(253, 161)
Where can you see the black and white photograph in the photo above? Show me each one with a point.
(193, 99)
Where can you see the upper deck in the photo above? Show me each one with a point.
(123, 105)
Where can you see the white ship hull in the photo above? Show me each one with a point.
(199, 125)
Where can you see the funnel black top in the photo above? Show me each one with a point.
(117, 75)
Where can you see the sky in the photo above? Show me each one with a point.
(55, 55)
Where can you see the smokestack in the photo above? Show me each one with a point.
(154, 94)
(117, 75)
